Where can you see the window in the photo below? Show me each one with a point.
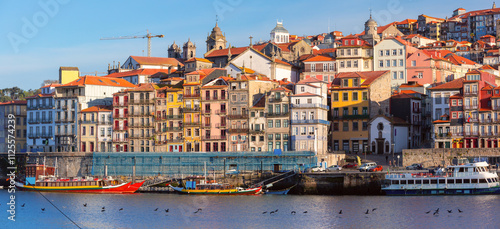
(365, 125)
(354, 111)
(348, 63)
(365, 95)
(270, 137)
(394, 63)
(420, 75)
(325, 67)
(345, 96)
(355, 126)
(278, 136)
(401, 62)
(437, 99)
(387, 52)
(336, 97)
(365, 110)
(387, 63)
(313, 67)
(381, 63)
(345, 111)
(278, 123)
(394, 75)
(400, 52)
(394, 52)
(401, 75)
(270, 124)
(355, 63)
(285, 123)
(381, 53)
(346, 82)
(355, 82)
(342, 64)
(345, 126)
(413, 63)
(355, 96)
(355, 52)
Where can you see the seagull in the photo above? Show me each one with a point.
(197, 211)
(374, 209)
(276, 210)
(166, 210)
(340, 212)
(271, 212)
(305, 212)
(43, 209)
(23, 205)
(449, 211)
(293, 212)
(460, 211)
(85, 204)
(264, 212)
(367, 211)
(103, 208)
(428, 212)
(436, 212)
(120, 209)
(156, 209)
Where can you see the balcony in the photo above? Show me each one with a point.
(33, 121)
(310, 105)
(221, 112)
(47, 135)
(496, 108)
(66, 134)
(238, 116)
(121, 140)
(206, 126)
(191, 123)
(443, 135)
(140, 125)
(278, 114)
(471, 133)
(191, 110)
(137, 136)
(470, 93)
(64, 120)
(107, 122)
(485, 121)
(310, 121)
(174, 117)
(221, 125)
(362, 116)
(120, 104)
(47, 120)
(257, 131)
(120, 116)
(207, 112)
(88, 122)
(235, 129)
(471, 107)
(276, 100)
(173, 129)
(120, 128)
(138, 114)
(214, 137)
(142, 101)
(175, 140)
(33, 135)
(191, 95)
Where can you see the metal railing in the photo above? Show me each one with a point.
(310, 105)
(214, 137)
(320, 121)
(277, 114)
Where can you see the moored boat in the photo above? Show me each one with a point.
(217, 189)
(465, 179)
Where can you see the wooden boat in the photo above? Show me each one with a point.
(217, 189)
(80, 186)
(42, 178)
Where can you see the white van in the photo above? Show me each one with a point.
(367, 166)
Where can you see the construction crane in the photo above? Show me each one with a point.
(148, 35)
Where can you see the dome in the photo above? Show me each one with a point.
(216, 31)
(174, 46)
(371, 22)
(328, 38)
(279, 28)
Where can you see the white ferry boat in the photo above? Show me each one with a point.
(466, 179)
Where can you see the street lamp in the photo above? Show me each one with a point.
(392, 153)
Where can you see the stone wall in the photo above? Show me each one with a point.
(443, 157)
(68, 164)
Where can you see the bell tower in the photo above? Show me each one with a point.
(216, 40)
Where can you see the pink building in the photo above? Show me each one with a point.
(214, 106)
(424, 67)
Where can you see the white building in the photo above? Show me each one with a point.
(390, 54)
(41, 125)
(309, 120)
(73, 97)
(279, 34)
(383, 132)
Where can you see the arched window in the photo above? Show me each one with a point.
(191, 55)
(220, 47)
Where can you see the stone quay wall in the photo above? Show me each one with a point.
(444, 157)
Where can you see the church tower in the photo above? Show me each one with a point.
(188, 50)
(279, 34)
(371, 35)
(174, 51)
(216, 40)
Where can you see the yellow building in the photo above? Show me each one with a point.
(356, 97)
(169, 104)
(192, 111)
(68, 74)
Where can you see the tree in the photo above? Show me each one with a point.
(47, 82)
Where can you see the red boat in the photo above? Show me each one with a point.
(42, 178)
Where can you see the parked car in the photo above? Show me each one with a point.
(316, 169)
(367, 166)
(377, 168)
(415, 166)
(334, 168)
(350, 165)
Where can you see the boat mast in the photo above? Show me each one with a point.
(205, 172)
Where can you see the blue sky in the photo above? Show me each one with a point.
(37, 37)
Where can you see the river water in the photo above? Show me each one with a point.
(247, 211)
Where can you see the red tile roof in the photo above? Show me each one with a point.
(145, 87)
(98, 108)
(452, 85)
(51, 85)
(305, 94)
(319, 58)
(234, 51)
(198, 59)
(458, 60)
(144, 60)
(309, 80)
(369, 77)
(410, 92)
(324, 51)
(407, 21)
(99, 80)
(40, 95)
(15, 102)
(142, 71)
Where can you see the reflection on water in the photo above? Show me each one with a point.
(247, 211)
